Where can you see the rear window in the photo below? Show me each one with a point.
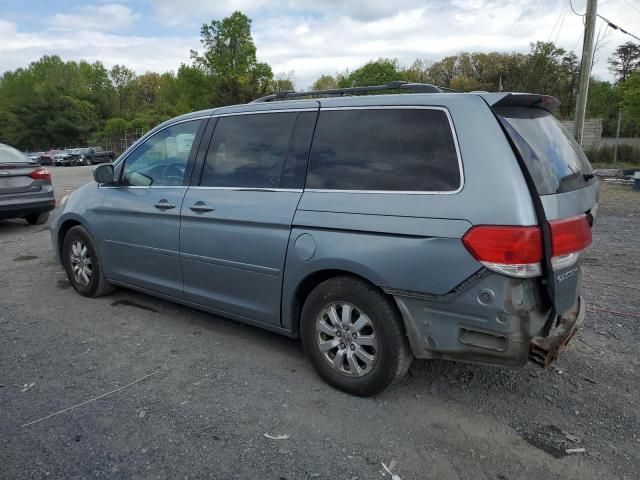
(384, 149)
(555, 161)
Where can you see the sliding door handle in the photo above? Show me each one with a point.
(201, 207)
(164, 205)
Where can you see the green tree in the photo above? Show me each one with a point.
(378, 72)
(418, 72)
(625, 60)
(630, 94)
(123, 81)
(543, 68)
(325, 82)
(570, 75)
(284, 82)
(229, 58)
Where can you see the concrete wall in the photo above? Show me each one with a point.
(611, 141)
(592, 131)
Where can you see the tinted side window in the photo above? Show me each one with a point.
(162, 159)
(252, 151)
(384, 149)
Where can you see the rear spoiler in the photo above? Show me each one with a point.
(545, 102)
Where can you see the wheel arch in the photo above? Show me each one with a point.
(306, 285)
(64, 228)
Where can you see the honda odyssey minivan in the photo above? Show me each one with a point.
(377, 228)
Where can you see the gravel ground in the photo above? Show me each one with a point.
(220, 386)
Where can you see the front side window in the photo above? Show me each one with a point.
(384, 150)
(162, 159)
(253, 151)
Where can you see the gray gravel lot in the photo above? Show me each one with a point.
(221, 386)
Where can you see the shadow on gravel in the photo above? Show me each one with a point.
(13, 226)
(129, 303)
(24, 258)
(208, 324)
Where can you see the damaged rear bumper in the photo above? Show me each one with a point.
(544, 351)
(497, 320)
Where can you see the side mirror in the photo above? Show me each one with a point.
(104, 174)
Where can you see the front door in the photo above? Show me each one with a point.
(236, 222)
(140, 216)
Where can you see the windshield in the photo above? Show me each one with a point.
(555, 161)
(11, 155)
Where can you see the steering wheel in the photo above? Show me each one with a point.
(174, 172)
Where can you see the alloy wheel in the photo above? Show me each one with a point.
(81, 263)
(346, 338)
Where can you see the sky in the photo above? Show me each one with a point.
(306, 37)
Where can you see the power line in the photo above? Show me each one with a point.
(566, 12)
(558, 20)
(573, 10)
(616, 27)
(631, 5)
(577, 42)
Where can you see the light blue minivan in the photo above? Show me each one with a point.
(375, 227)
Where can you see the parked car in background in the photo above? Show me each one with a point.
(377, 228)
(64, 158)
(76, 154)
(35, 156)
(25, 187)
(47, 157)
(93, 155)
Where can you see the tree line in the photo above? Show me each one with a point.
(65, 103)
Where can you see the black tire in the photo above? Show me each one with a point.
(88, 162)
(392, 354)
(97, 285)
(37, 218)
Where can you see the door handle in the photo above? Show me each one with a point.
(164, 205)
(200, 207)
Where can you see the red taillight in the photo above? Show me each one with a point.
(570, 235)
(504, 245)
(517, 251)
(41, 174)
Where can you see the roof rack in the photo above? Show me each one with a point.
(341, 92)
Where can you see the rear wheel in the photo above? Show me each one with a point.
(82, 264)
(37, 218)
(353, 336)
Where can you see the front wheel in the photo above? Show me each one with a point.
(82, 264)
(88, 162)
(354, 336)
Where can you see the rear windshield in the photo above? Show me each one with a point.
(555, 161)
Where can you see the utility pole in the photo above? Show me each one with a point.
(615, 149)
(585, 67)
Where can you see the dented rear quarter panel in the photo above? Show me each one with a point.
(412, 241)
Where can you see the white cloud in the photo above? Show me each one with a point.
(139, 53)
(433, 30)
(313, 37)
(103, 17)
(199, 11)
